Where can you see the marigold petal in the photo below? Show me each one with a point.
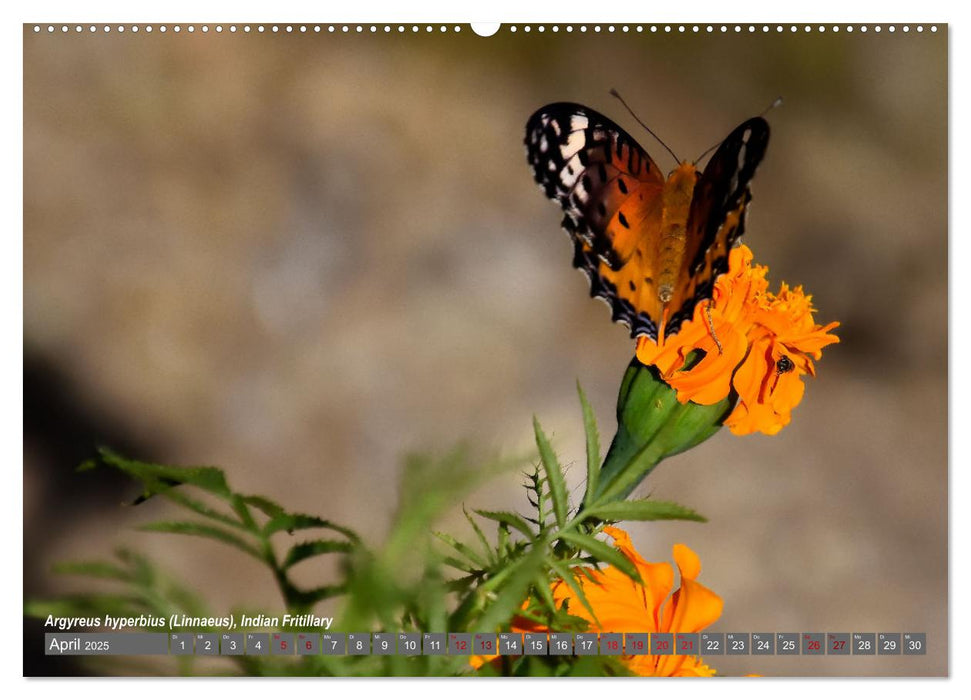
(658, 578)
(688, 562)
(692, 608)
(480, 660)
(710, 381)
(623, 605)
(693, 666)
(758, 418)
(754, 329)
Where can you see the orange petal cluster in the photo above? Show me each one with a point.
(752, 341)
(623, 605)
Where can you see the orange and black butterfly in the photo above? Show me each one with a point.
(651, 246)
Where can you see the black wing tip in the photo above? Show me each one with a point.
(554, 109)
(759, 128)
(560, 109)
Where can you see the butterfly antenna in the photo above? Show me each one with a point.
(658, 138)
(775, 103)
(708, 150)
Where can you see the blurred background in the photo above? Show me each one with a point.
(301, 256)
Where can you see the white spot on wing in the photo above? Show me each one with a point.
(574, 142)
(567, 179)
(579, 122)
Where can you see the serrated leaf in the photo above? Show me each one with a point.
(554, 474)
(159, 477)
(644, 509)
(95, 569)
(299, 521)
(511, 519)
(313, 548)
(486, 547)
(87, 465)
(315, 595)
(566, 575)
(465, 566)
(542, 586)
(470, 554)
(269, 508)
(510, 596)
(460, 584)
(602, 552)
(502, 540)
(201, 508)
(593, 446)
(203, 530)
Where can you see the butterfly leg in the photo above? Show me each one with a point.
(711, 327)
(662, 324)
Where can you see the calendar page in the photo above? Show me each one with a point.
(449, 350)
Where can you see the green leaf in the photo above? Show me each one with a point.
(87, 465)
(203, 530)
(159, 477)
(602, 552)
(315, 595)
(542, 585)
(459, 584)
(313, 548)
(299, 521)
(644, 509)
(269, 508)
(461, 565)
(95, 569)
(479, 534)
(566, 574)
(201, 508)
(511, 595)
(502, 540)
(593, 446)
(470, 554)
(554, 475)
(511, 519)
(535, 495)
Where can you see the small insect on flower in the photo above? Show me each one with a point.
(754, 343)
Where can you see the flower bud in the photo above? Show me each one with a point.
(651, 425)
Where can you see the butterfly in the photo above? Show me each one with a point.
(652, 246)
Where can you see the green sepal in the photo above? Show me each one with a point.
(651, 425)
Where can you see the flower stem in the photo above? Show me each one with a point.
(651, 425)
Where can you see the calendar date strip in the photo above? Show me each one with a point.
(486, 644)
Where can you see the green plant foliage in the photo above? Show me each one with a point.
(420, 579)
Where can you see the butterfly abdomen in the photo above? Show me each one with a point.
(676, 200)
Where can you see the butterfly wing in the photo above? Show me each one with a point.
(610, 192)
(716, 218)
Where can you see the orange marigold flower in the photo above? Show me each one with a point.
(623, 605)
(754, 342)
